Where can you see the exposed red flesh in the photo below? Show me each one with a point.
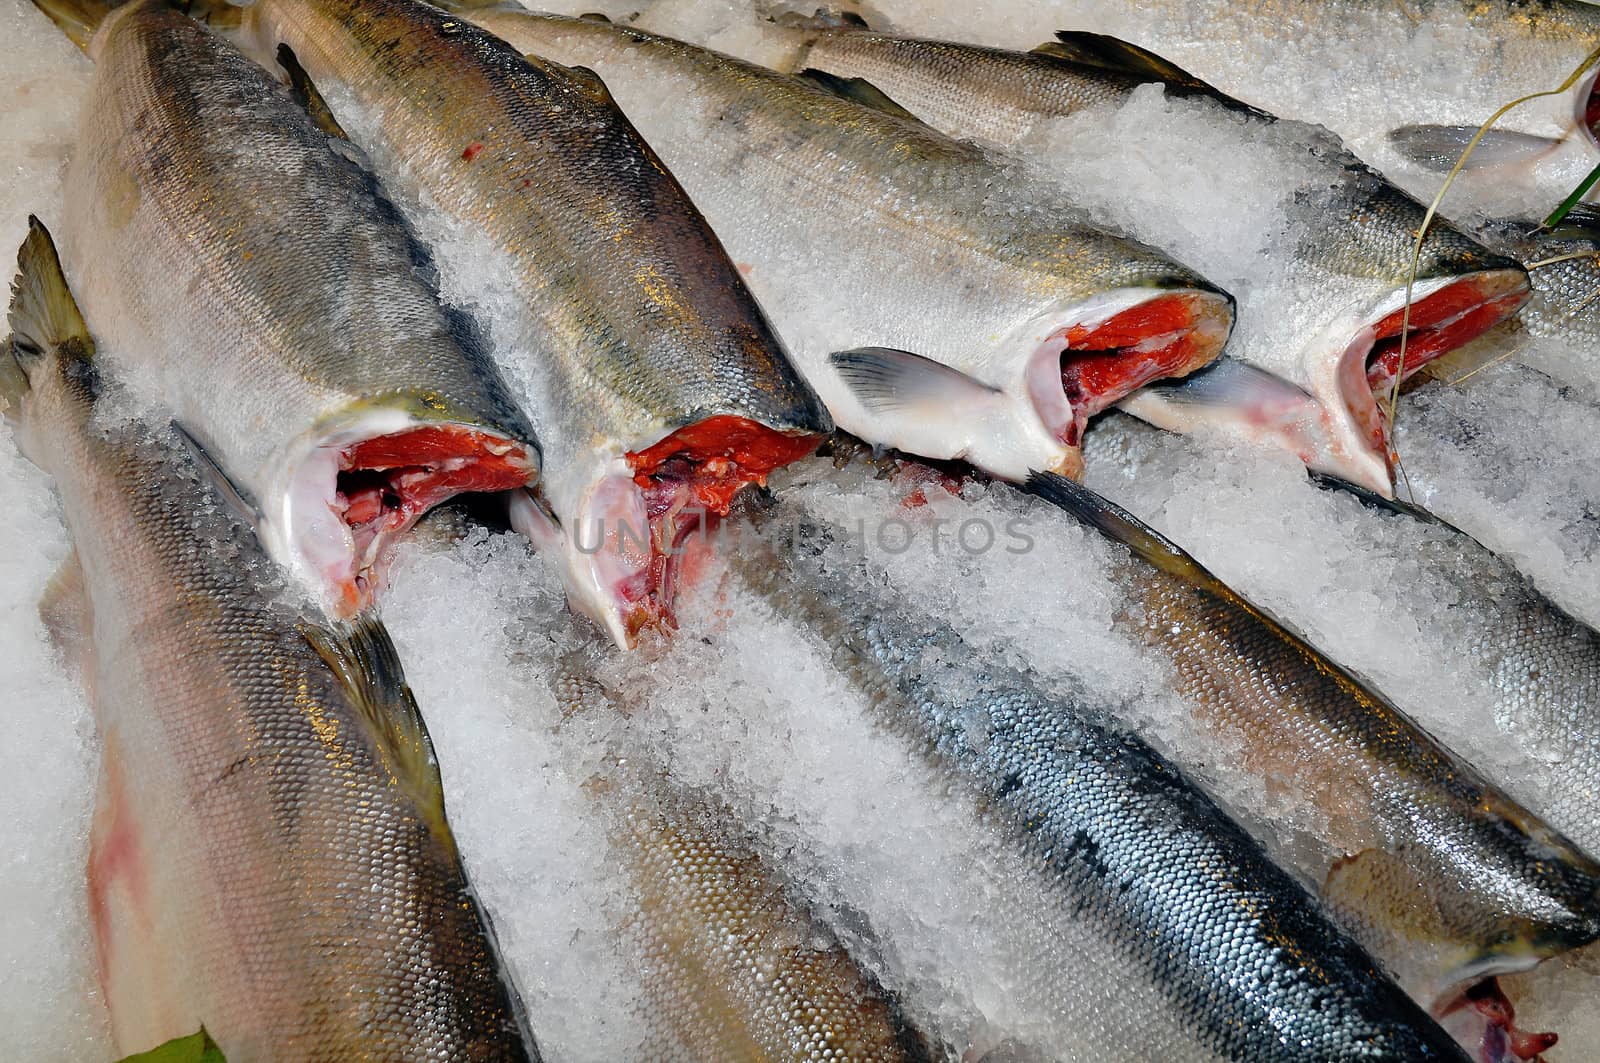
(1121, 355)
(1491, 1023)
(689, 479)
(1439, 324)
(1591, 110)
(386, 483)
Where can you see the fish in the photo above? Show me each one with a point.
(1444, 877)
(269, 855)
(1328, 363)
(1562, 317)
(1156, 927)
(733, 965)
(734, 969)
(938, 300)
(1540, 665)
(656, 383)
(248, 273)
(1405, 84)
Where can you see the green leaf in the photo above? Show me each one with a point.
(196, 1048)
(1572, 198)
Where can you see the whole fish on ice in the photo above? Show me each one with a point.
(249, 275)
(1406, 83)
(270, 856)
(1157, 928)
(1329, 241)
(937, 298)
(655, 382)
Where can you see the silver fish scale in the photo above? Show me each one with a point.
(257, 866)
(1127, 853)
(1542, 672)
(213, 225)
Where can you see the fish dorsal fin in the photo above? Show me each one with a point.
(1106, 52)
(1118, 525)
(596, 16)
(856, 90)
(45, 323)
(64, 609)
(237, 498)
(883, 378)
(363, 658)
(306, 94)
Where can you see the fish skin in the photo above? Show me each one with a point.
(252, 278)
(1439, 873)
(1358, 260)
(264, 859)
(916, 243)
(734, 971)
(630, 321)
(733, 967)
(1540, 664)
(1445, 62)
(1564, 268)
(1135, 879)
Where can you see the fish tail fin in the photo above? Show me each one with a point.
(46, 325)
(78, 19)
(364, 660)
(1118, 525)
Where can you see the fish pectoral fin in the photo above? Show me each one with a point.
(196, 1048)
(45, 323)
(1439, 147)
(237, 498)
(1106, 52)
(1230, 383)
(362, 656)
(1376, 883)
(856, 90)
(64, 609)
(306, 94)
(883, 378)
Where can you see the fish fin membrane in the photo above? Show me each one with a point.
(306, 94)
(45, 323)
(822, 18)
(77, 19)
(1228, 382)
(1118, 525)
(196, 1048)
(596, 16)
(1439, 147)
(237, 498)
(856, 90)
(1106, 52)
(883, 378)
(64, 609)
(592, 82)
(362, 656)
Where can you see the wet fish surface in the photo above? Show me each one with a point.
(269, 856)
(251, 277)
(1333, 224)
(656, 383)
(937, 299)
(1139, 890)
